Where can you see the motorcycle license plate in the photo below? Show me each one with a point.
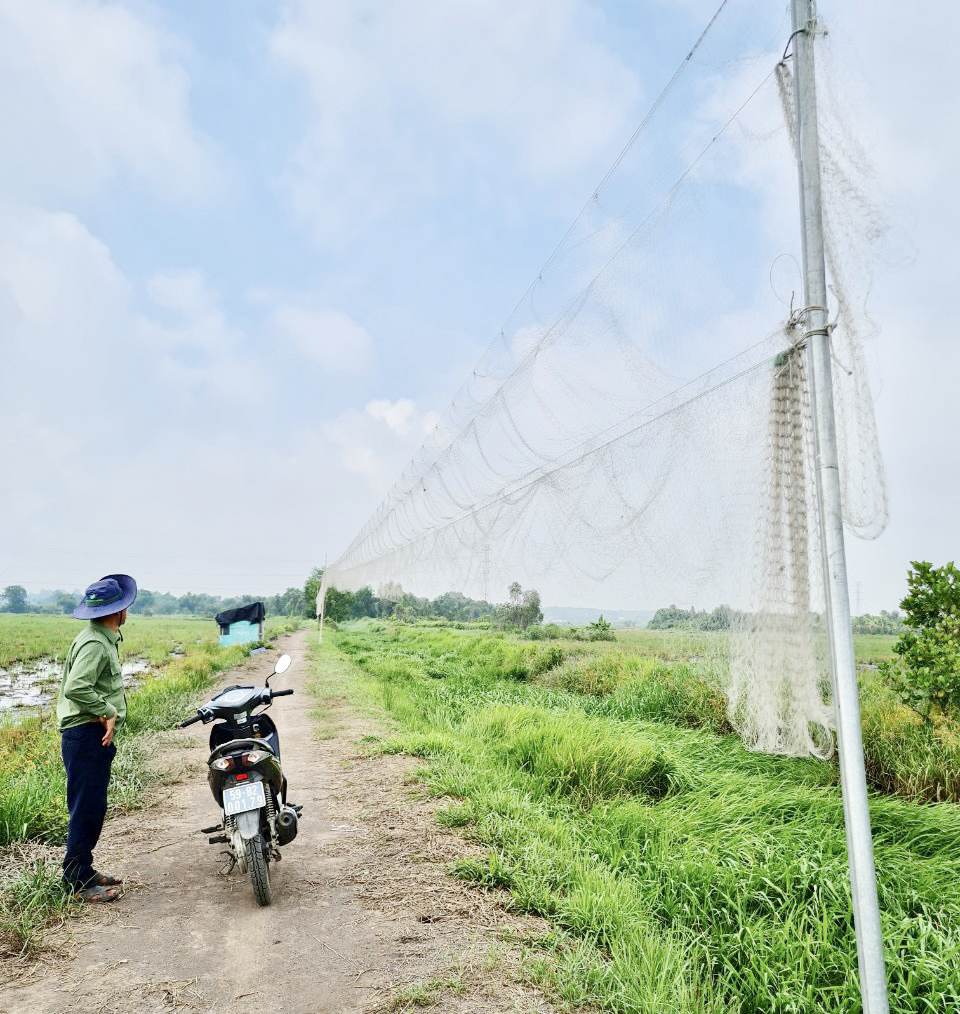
(239, 798)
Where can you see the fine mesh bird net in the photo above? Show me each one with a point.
(639, 432)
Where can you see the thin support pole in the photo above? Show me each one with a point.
(322, 596)
(863, 879)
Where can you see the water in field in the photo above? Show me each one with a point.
(35, 685)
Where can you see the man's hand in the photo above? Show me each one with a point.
(108, 724)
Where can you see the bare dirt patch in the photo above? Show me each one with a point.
(365, 916)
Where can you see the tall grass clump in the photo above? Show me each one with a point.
(902, 755)
(678, 871)
(32, 782)
(31, 897)
(573, 755)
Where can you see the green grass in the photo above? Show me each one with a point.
(678, 871)
(31, 897)
(679, 676)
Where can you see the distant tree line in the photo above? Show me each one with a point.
(521, 611)
(885, 623)
(725, 617)
(393, 602)
(721, 618)
(151, 603)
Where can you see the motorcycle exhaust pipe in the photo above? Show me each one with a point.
(286, 825)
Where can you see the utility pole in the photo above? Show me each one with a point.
(863, 879)
(322, 598)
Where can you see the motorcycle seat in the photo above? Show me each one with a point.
(242, 745)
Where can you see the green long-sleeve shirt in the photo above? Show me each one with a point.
(92, 684)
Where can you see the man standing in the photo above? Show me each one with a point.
(90, 706)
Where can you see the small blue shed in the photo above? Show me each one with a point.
(242, 624)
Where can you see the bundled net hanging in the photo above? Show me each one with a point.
(639, 432)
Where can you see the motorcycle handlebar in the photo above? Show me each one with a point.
(189, 721)
(282, 693)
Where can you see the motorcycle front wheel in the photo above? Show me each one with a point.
(256, 856)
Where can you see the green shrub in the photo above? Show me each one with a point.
(600, 630)
(927, 673)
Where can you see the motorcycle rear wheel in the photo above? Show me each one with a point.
(256, 856)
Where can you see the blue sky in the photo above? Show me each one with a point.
(250, 251)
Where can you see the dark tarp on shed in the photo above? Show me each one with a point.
(252, 613)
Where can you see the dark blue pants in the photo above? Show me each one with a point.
(88, 775)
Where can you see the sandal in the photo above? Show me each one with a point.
(97, 893)
(104, 880)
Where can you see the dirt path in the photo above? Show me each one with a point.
(364, 917)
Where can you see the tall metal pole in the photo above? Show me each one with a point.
(863, 879)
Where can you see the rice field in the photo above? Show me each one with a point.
(26, 638)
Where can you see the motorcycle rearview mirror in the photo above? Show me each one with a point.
(283, 664)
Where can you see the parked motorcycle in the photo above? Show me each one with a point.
(246, 779)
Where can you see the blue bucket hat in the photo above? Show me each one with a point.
(109, 595)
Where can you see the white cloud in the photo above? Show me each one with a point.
(91, 90)
(182, 291)
(61, 297)
(378, 443)
(330, 338)
(408, 96)
(402, 416)
(199, 349)
(134, 423)
(79, 351)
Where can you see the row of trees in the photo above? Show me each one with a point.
(150, 603)
(721, 618)
(886, 623)
(522, 610)
(726, 618)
